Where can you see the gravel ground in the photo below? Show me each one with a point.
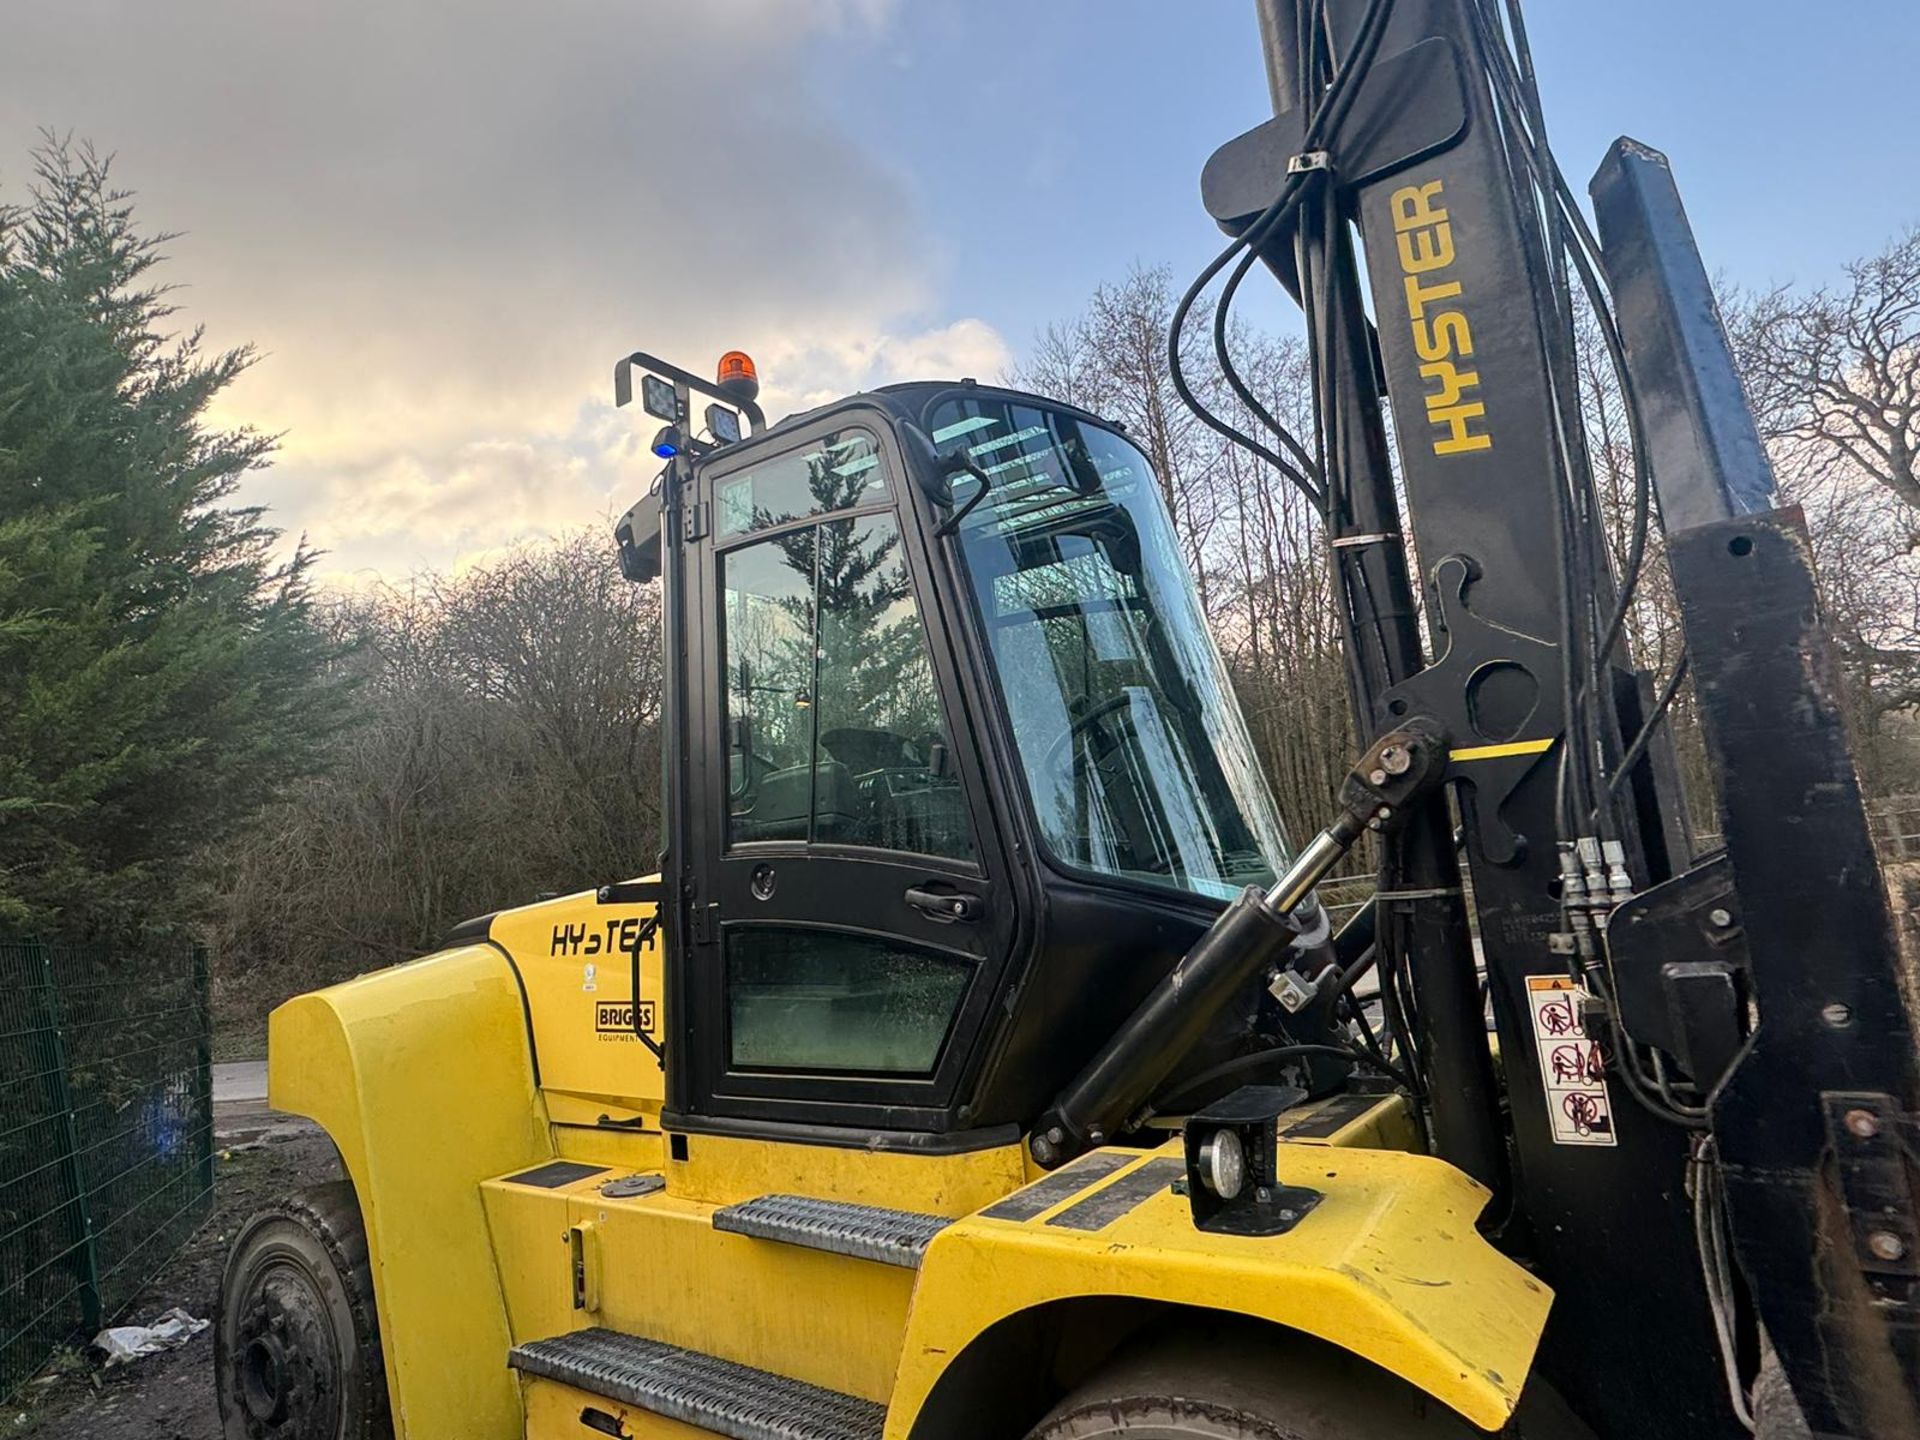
(170, 1396)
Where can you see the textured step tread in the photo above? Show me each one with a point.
(866, 1232)
(698, 1389)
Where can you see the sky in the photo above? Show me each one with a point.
(440, 221)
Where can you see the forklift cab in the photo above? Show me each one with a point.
(958, 773)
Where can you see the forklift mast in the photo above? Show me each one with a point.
(1688, 1039)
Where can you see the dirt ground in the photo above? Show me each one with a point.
(170, 1396)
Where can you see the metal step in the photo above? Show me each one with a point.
(698, 1389)
(866, 1232)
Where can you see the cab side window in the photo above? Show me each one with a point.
(800, 999)
(835, 732)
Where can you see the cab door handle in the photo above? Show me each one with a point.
(947, 907)
(583, 1246)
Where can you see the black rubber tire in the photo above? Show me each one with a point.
(1242, 1383)
(296, 1347)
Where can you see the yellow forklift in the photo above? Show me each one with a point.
(980, 1062)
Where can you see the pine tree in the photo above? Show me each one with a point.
(159, 674)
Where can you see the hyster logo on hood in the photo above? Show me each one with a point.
(606, 937)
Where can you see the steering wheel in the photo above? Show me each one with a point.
(1082, 723)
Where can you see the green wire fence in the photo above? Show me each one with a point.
(106, 1133)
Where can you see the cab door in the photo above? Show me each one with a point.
(849, 926)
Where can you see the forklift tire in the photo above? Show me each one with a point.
(296, 1349)
(1242, 1383)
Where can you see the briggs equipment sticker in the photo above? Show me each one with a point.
(1573, 1069)
(613, 1019)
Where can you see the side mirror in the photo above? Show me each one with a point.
(951, 466)
(637, 535)
(936, 473)
(927, 465)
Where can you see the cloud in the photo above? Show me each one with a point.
(442, 220)
(828, 366)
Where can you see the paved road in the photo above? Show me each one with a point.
(238, 1081)
(240, 1112)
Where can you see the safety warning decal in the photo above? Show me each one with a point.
(1573, 1068)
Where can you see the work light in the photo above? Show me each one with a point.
(1233, 1184)
(657, 398)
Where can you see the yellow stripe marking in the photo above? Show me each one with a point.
(1500, 752)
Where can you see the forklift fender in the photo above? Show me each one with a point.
(1388, 1265)
(423, 1076)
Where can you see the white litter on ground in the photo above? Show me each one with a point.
(124, 1343)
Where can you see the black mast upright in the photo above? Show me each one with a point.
(1421, 912)
(1467, 321)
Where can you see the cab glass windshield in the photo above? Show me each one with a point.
(1134, 751)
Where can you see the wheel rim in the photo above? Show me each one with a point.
(286, 1356)
(263, 1380)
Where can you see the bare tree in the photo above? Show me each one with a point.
(1834, 377)
(506, 743)
(1835, 372)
